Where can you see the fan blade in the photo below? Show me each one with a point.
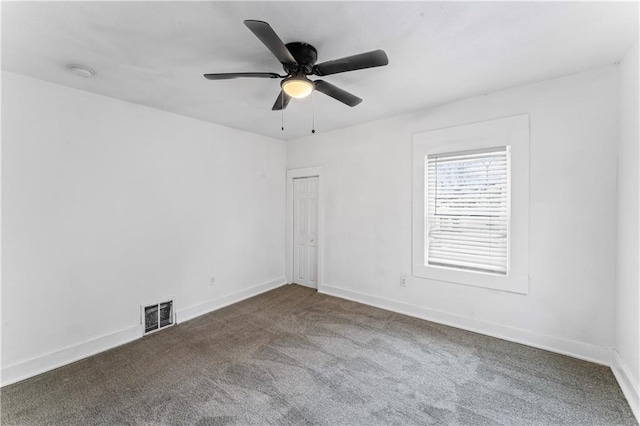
(269, 38)
(230, 75)
(281, 102)
(337, 93)
(376, 58)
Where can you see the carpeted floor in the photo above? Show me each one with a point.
(293, 356)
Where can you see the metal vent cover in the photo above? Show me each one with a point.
(157, 316)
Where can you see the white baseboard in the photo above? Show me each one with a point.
(627, 382)
(38, 365)
(215, 304)
(585, 351)
(34, 366)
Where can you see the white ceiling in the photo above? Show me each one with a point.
(154, 53)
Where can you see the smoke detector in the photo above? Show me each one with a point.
(80, 70)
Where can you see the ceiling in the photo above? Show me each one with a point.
(154, 53)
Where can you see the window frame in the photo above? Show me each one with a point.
(512, 132)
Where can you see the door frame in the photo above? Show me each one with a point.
(288, 263)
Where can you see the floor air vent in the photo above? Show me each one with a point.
(158, 316)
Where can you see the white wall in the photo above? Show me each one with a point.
(627, 320)
(108, 205)
(367, 215)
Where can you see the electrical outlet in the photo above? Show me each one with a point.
(403, 281)
(212, 281)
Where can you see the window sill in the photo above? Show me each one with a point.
(509, 283)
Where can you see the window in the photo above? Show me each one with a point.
(471, 204)
(467, 221)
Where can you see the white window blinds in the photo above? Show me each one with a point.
(467, 204)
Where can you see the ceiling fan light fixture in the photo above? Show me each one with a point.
(297, 87)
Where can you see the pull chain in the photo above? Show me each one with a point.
(282, 110)
(313, 115)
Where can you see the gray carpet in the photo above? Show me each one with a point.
(292, 356)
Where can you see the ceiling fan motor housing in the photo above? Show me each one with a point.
(305, 55)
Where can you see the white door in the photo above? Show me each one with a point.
(305, 231)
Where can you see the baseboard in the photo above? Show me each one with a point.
(627, 382)
(42, 364)
(584, 351)
(33, 367)
(215, 304)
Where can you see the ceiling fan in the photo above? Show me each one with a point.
(298, 60)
